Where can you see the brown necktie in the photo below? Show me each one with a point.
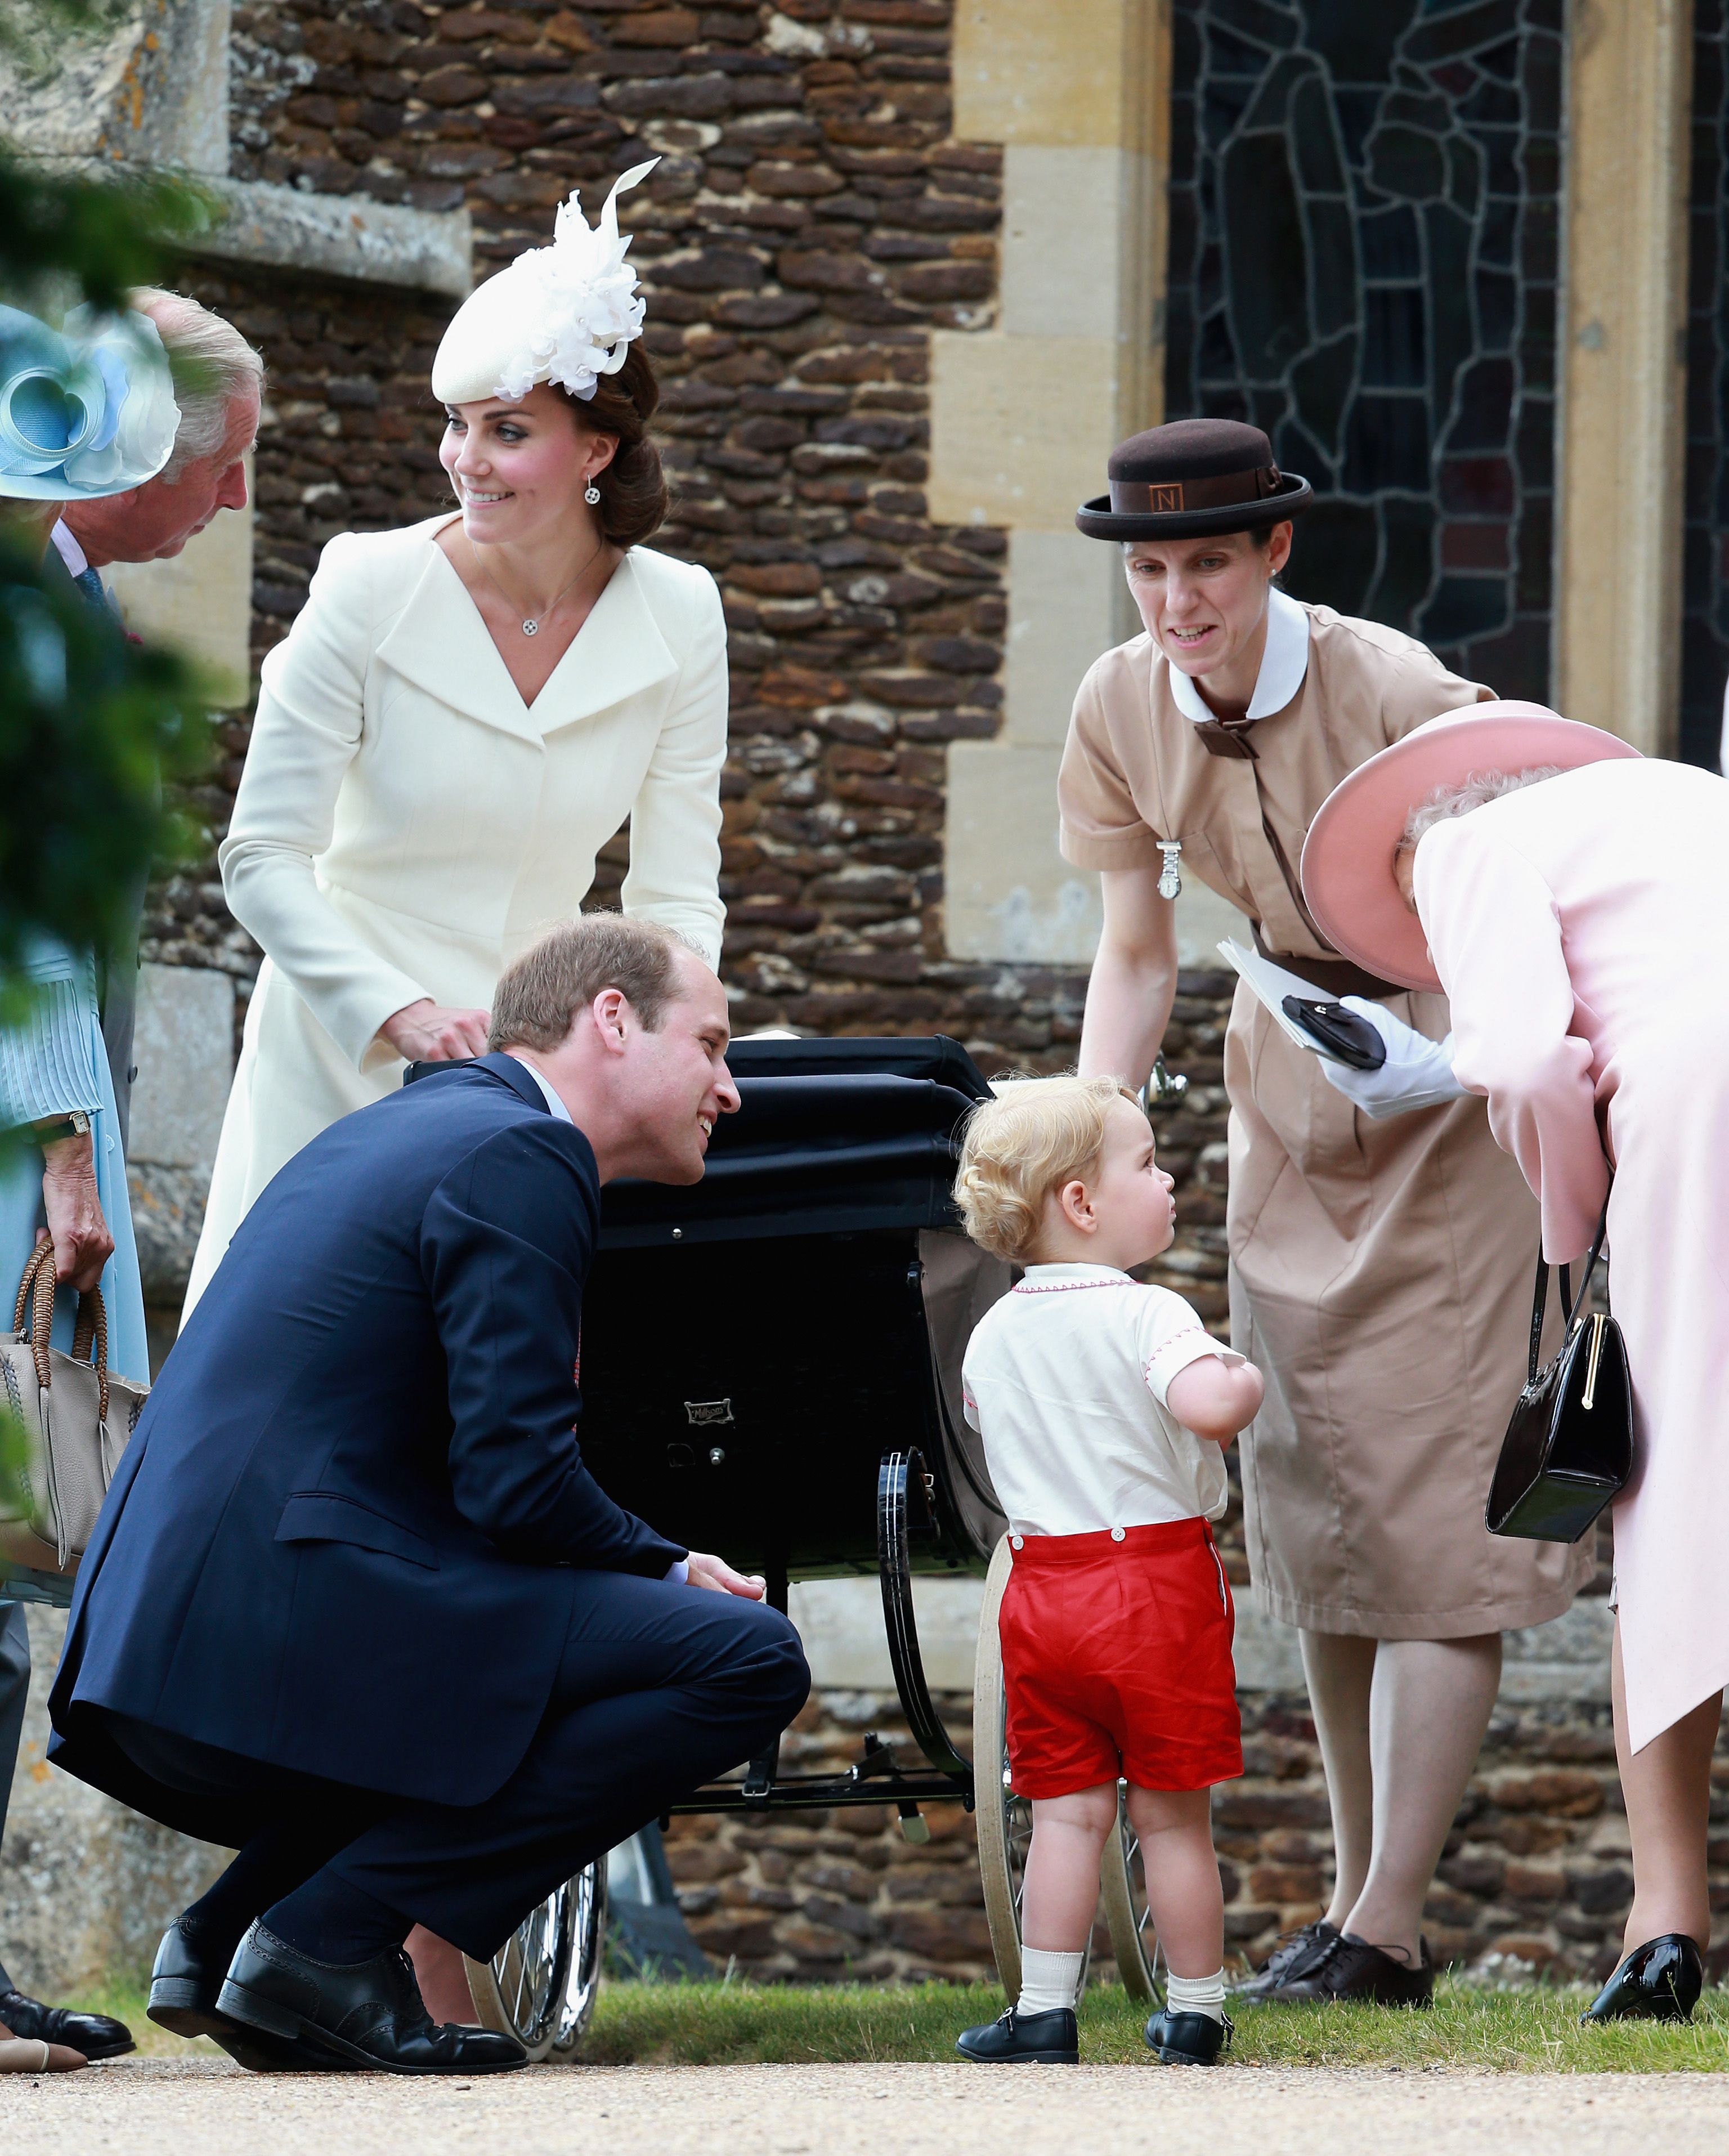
(1227, 737)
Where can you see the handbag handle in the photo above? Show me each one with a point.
(1571, 1305)
(89, 1327)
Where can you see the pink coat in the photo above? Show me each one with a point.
(1577, 928)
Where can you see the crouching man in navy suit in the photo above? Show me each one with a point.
(354, 1606)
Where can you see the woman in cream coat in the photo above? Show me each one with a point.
(465, 712)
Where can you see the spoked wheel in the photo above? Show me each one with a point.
(1005, 1828)
(540, 1987)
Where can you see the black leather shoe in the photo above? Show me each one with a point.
(1350, 1967)
(183, 1986)
(1188, 2039)
(1296, 1954)
(1025, 2039)
(369, 2013)
(97, 2035)
(1659, 1981)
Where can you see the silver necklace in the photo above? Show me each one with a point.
(532, 622)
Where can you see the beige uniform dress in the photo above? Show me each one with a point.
(1381, 1271)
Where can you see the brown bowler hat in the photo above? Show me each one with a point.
(1193, 479)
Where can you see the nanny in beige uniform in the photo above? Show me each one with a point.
(1379, 1269)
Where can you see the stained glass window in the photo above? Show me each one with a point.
(1365, 214)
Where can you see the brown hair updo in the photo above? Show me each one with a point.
(634, 498)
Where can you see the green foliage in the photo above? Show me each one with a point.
(1530, 2031)
(87, 719)
(1534, 2031)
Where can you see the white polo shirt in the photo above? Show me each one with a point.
(1065, 1379)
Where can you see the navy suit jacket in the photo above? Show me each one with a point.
(341, 1539)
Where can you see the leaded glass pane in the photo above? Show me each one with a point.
(1365, 211)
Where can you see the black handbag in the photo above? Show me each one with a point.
(1569, 1446)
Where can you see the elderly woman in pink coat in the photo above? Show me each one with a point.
(1568, 896)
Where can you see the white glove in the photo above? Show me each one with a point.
(1417, 1072)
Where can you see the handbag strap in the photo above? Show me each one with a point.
(89, 1327)
(35, 1304)
(1571, 1305)
(89, 1332)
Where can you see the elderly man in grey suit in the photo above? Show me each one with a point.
(219, 383)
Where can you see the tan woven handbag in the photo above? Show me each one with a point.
(76, 1421)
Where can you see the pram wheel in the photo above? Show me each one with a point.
(1005, 1828)
(541, 1984)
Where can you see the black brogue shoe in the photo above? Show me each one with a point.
(1351, 1968)
(1188, 2039)
(370, 2014)
(1297, 1954)
(1659, 1981)
(97, 2035)
(184, 1984)
(1015, 2039)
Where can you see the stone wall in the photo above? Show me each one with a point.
(1536, 1879)
(811, 222)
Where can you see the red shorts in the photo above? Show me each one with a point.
(1117, 1659)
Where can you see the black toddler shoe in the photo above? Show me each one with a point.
(1025, 2039)
(370, 2014)
(1659, 1981)
(97, 2035)
(190, 1966)
(1188, 2039)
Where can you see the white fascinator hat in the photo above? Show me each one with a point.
(565, 313)
(86, 410)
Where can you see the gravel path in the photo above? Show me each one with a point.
(200, 2107)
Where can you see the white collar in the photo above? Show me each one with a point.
(1041, 1280)
(70, 552)
(541, 1079)
(1283, 664)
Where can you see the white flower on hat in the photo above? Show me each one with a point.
(564, 314)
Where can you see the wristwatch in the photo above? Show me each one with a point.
(74, 1124)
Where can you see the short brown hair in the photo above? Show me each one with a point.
(535, 1002)
(634, 494)
(1036, 1135)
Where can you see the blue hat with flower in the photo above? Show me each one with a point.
(86, 410)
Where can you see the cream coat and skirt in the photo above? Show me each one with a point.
(1577, 925)
(1380, 1272)
(407, 825)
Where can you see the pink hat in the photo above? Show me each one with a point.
(1348, 858)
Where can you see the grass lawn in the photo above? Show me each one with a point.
(1535, 2031)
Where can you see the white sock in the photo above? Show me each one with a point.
(1050, 1981)
(1196, 1995)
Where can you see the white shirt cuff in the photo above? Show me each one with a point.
(678, 1574)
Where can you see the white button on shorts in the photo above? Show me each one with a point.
(1015, 1543)
(1116, 1534)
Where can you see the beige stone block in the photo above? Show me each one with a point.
(1007, 891)
(184, 1046)
(1020, 427)
(1073, 73)
(1620, 506)
(1063, 613)
(1063, 216)
(199, 601)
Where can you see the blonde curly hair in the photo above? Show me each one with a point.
(1037, 1134)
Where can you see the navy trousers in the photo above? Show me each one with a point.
(14, 1693)
(659, 1688)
